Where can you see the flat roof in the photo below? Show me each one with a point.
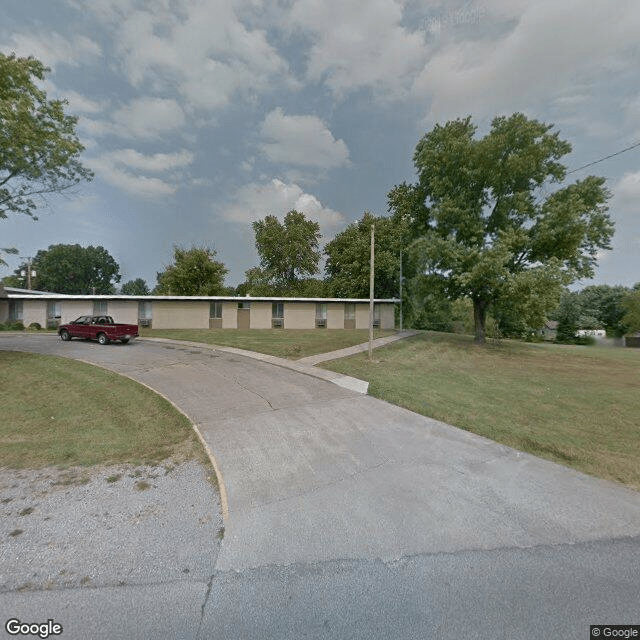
(64, 296)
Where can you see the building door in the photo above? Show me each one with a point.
(244, 315)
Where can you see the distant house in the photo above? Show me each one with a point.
(197, 312)
(549, 330)
(593, 333)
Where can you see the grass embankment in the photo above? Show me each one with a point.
(285, 343)
(579, 406)
(61, 412)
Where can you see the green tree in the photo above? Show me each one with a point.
(72, 269)
(39, 148)
(349, 256)
(631, 307)
(137, 287)
(484, 227)
(288, 251)
(194, 272)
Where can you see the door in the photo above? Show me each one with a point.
(244, 318)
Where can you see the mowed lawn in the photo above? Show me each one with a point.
(579, 406)
(285, 343)
(59, 412)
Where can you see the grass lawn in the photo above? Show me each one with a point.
(286, 343)
(579, 406)
(58, 412)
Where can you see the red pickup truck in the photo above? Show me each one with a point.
(100, 328)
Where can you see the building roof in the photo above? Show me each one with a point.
(26, 294)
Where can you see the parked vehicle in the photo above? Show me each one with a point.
(100, 328)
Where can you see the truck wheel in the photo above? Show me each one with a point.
(65, 335)
(102, 338)
(124, 340)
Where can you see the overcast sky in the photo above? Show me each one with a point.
(201, 116)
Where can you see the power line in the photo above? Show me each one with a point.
(617, 153)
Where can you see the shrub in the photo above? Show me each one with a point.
(35, 326)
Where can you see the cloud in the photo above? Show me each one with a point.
(156, 163)
(547, 46)
(257, 200)
(81, 104)
(359, 44)
(119, 169)
(627, 190)
(148, 118)
(52, 49)
(199, 47)
(301, 140)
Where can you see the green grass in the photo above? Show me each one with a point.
(58, 412)
(286, 343)
(579, 406)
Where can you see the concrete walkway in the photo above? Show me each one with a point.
(350, 517)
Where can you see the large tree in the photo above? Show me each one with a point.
(137, 287)
(72, 269)
(349, 256)
(288, 251)
(39, 148)
(484, 226)
(194, 272)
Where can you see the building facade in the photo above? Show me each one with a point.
(197, 312)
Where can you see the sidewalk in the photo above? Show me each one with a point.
(304, 365)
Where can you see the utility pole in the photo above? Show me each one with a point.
(28, 273)
(371, 279)
(400, 289)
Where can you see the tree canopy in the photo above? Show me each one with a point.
(137, 287)
(194, 272)
(39, 148)
(348, 257)
(72, 269)
(483, 225)
(288, 251)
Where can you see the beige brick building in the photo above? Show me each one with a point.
(197, 312)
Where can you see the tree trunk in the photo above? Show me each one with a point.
(479, 317)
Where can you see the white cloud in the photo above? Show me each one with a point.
(627, 190)
(552, 44)
(52, 49)
(148, 118)
(119, 169)
(199, 47)
(156, 163)
(358, 44)
(257, 200)
(301, 140)
(81, 104)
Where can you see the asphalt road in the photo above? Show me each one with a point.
(347, 517)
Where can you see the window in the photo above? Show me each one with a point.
(54, 311)
(15, 310)
(376, 315)
(277, 315)
(349, 311)
(100, 307)
(321, 315)
(215, 310)
(244, 304)
(145, 313)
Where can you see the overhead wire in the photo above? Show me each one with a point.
(617, 153)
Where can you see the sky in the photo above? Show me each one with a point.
(202, 116)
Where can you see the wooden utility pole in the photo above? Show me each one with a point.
(400, 289)
(371, 279)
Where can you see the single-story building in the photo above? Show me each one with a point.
(196, 312)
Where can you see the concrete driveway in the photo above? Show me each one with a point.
(347, 517)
